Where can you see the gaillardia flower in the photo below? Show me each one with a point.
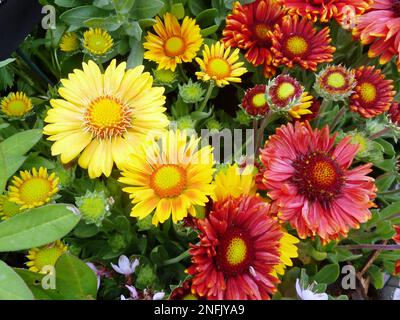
(373, 94)
(191, 92)
(16, 105)
(97, 41)
(69, 42)
(94, 207)
(33, 188)
(173, 43)
(297, 42)
(238, 252)
(335, 83)
(170, 177)
(325, 10)
(394, 114)
(310, 179)
(220, 65)
(101, 118)
(45, 256)
(8, 208)
(250, 27)
(255, 101)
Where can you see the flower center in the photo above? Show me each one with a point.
(234, 253)
(259, 100)
(336, 80)
(219, 68)
(174, 46)
(285, 91)
(168, 181)
(35, 190)
(396, 7)
(368, 92)
(47, 257)
(97, 42)
(107, 117)
(17, 107)
(190, 297)
(318, 177)
(297, 46)
(262, 31)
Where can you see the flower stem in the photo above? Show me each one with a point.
(322, 110)
(388, 193)
(338, 117)
(379, 134)
(382, 247)
(183, 73)
(207, 97)
(177, 259)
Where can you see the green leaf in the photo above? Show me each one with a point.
(209, 31)
(133, 29)
(74, 279)
(110, 23)
(76, 16)
(377, 278)
(34, 283)
(196, 6)
(328, 274)
(3, 63)
(70, 3)
(3, 172)
(12, 287)
(143, 9)
(37, 227)
(178, 10)
(390, 211)
(207, 17)
(123, 6)
(135, 57)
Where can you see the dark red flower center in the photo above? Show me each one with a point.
(318, 177)
(235, 252)
(396, 7)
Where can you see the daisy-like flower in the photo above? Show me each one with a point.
(125, 266)
(310, 179)
(16, 105)
(380, 26)
(286, 95)
(170, 177)
(250, 27)
(69, 42)
(238, 251)
(335, 83)
(373, 94)
(315, 107)
(308, 293)
(102, 118)
(220, 65)
(45, 256)
(297, 42)
(173, 43)
(33, 188)
(255, 101)
(325, 10)
(97, 41)
(8, 208)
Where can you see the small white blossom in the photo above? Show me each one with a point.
(125, 266)
(94, 269)
(159, 296)
(308, 294)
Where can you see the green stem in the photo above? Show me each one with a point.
(208, 95)
(322, 110)
(383, 247)
(338, 117)
(388, 193)
(177, 259)
(183, 73)
(379, 134)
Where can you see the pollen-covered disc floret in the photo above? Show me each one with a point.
(255, 101)
(16, 105)
(335, 83)
(33, 188)
(46, 256)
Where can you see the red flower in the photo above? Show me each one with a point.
(297, 42)
(311, 181)
(238, 250)
(184, 292)
(394, 113)
(396, 238)
(250, 27)
(255, 102)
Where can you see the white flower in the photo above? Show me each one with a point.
(308, 294)
(125, 266)
(133, 293)
(94, 269)
(158, 296)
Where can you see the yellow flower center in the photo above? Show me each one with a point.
(361, 141)
(324, 173)
(336, 80)
(262, 31)
(368, 92)
(174, 46)
(168, 180)
(97, 41)
(47, 257)
(17, 107)
(236, 251)
(259, 100)
(108, 117)
(190, 297)
(286, 90)
(219, 68)
(297, 45)
(35, 190)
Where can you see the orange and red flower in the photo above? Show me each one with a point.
(255, 101)
(238, 251)
(250, 27)
(394, 117)
(373, 94)
(311, 181)
(324, 10)
(297, 42)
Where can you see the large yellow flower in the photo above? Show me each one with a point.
(45, 256)
(33, 189)
(219, 65)
(171, 177)
(173, 43)
(97, 41)
(103, 117)
(16, 104)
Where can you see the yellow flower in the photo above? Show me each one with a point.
(234, 182)
(69, 42)
(219, 65)
(8, 208)
(97, 41)
(288, 250)
(103, 117)
(33, 189)
(303, 107)
(173, 43)
(16, 104)
(45, 256)
(170, 178)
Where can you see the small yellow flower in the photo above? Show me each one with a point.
(173, 43)
(45, 256)
(303, 108)
(220, 65)
(69, 42)
(16, 104)
(288, 250)
(8, 208)
(33, 189)
(97, 41)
